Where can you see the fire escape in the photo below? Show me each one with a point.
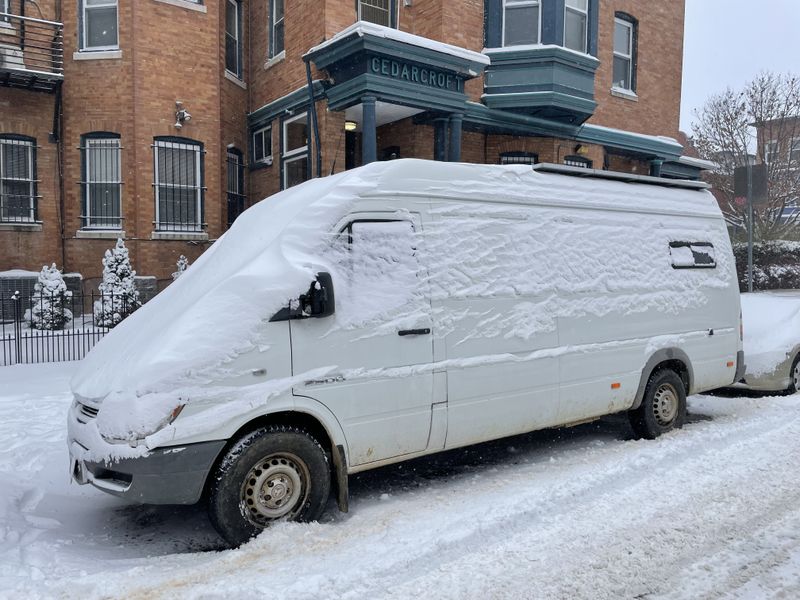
(31, 53)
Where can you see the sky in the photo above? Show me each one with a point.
(728, 42)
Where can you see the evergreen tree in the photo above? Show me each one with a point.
(119, 297)
(49, 301)
(182, 264)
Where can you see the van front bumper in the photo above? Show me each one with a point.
(172, 475)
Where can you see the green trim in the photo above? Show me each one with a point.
(394, 91)
(680, 171)
(291, 102)
(542, 102)
(628, 141)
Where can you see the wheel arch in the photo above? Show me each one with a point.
(674, 359)
(308, 419)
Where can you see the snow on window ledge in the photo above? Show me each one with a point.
(99, 234)
(20, 226)
(271, 62)
(97, 55)
(187, 4)
(623, 93)
(233, 78)
(179, 235)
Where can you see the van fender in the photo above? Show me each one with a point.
(662, 355)
(339, 449)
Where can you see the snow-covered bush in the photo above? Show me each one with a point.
(776, 265)
(182, 265)
(119, 297)
(48, 304)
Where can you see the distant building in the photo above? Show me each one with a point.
(159, 121)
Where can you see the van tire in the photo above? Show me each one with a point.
(277, 457)
(794, 376)
(663, 406)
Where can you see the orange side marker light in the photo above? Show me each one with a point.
(730, 363)
(615, 386)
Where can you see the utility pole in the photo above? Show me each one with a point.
(749, 225)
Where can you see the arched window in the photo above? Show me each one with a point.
(101, 182)
(178, 184)
(625, 41)
(18, 198)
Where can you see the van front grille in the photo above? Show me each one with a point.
(88, 411)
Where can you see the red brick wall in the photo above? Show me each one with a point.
(660, 64)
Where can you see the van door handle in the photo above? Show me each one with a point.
(404, 332)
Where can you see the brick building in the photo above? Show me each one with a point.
(160, 120)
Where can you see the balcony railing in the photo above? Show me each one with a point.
(31, 53)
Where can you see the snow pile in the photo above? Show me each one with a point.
(119, 297)
(50, 295)
(771, 329)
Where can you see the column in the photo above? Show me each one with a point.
(456, 120)
(655, 167)
(369, 140)
(440, 139)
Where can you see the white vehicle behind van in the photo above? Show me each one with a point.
(402, 309)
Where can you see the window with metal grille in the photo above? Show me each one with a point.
(295, 150)
(18, 199)
(276, 44)
(625, 34)
(521, 22)
(376, 11)
(99, 25)
(576, 17)
(102, 181)
(178, 184)
(577, 161)
(236, 196)
(233, 37)
(519, 158)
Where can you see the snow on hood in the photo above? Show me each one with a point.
(771, 329)
(210, 314)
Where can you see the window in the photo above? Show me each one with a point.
(178, 184)
(576, 18)
(18, 200)
(99, 25)
(624, 76)
(102, 181)
(771, 152)
(276, 28)
(233, 37)
(794, 151)
(262, 146)
(577, 161)
(236, 197)
(295, 150)
(521, 22)
(519, 158)
(692, 255)
(376, 11)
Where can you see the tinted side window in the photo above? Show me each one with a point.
(692, 255)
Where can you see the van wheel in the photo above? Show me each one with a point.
(275, 473)
(663, 407)
(794, 375)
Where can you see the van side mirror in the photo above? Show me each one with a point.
(317, 302)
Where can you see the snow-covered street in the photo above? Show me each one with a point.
(710, 511)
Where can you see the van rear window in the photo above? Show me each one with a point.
(692, 255)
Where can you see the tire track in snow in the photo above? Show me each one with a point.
(416, 545)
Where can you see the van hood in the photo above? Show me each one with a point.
(213, 312)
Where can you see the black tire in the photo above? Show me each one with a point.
(663, 407)
(285, 461)
(794, 376)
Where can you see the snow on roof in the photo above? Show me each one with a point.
(13, 273)
(363, 28)
(656, 138)
(524, 47)
(691, 161)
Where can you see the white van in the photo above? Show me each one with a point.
(402, 309)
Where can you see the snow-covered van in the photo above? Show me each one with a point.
(401, 309)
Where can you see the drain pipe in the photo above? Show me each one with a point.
(313, 110)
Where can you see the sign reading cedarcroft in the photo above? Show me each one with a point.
(401, 70)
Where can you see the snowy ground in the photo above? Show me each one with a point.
(710, 511)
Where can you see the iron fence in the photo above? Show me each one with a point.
(57, 327)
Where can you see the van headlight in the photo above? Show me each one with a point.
(137, 436)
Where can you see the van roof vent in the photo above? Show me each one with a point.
(617, 176)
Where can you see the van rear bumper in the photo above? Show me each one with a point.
(172, 475)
